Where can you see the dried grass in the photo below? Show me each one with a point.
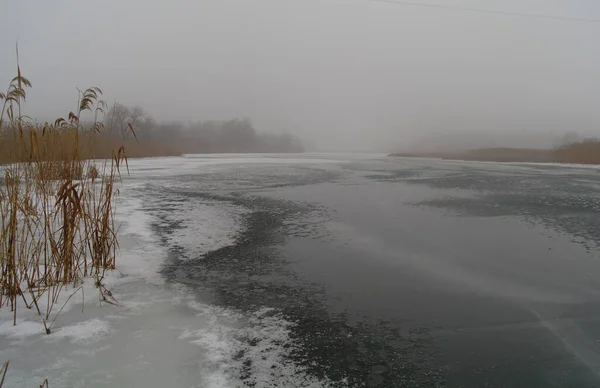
(56, 203)
(584, 152)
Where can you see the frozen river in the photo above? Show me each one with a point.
(323, 270)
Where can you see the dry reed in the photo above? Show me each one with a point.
(57, 189)
(584, 152)
(3, 373)
(4, 369)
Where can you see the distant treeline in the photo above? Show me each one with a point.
(580, 152)
(230, 136)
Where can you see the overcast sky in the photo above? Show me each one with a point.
(353, 74)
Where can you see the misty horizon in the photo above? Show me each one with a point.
(340, 75)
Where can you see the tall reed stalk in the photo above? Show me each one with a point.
(57, 222)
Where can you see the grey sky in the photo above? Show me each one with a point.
(351, 74)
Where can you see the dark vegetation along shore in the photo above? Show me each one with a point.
(111, 128)
(176, 138)
(582, 152)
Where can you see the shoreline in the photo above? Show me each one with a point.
(572, 154)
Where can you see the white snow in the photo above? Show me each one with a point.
(22, 329)
(85, 331)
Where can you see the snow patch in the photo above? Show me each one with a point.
(87, 331)
(22, 329)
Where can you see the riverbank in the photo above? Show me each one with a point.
(586, 152)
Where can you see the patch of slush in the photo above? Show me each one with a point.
(253, 353)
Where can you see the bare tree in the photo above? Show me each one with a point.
(119, 117)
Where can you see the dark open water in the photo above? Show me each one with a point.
(411, 273)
